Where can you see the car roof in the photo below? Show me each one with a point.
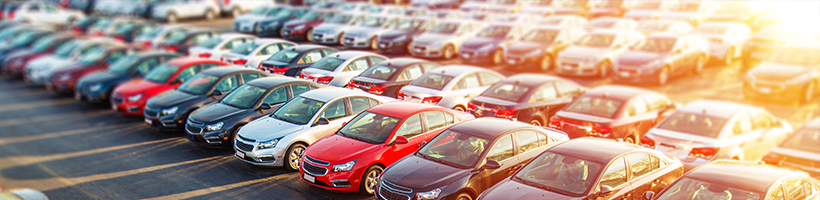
(401, 109)
(723, 109)
(327, 94)
(610, 31)
(308, 47)
(222, 71)
(604, 151)
(616, 92)
(738, 174)
(455, 70)
(803, 45)
(271, 40)
(182, 61)
(403, 61)
(814, 124)
(532, 80)
(351, 54)
(487, 127)
(155, 53)
(234, 35)
(666, 35)
(269, 82)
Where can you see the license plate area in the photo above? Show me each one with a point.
(309, 178)
(240, 154)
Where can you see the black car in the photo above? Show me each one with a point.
(180, 42)
(465, 160)
(128, 32)
(290, 62)
(97, 87)
(168, 110)
(538, 48)
(573, 170)
(386, 78)
(23, 41)
(217, 123)
(531, 98)
(273, 24)
(301, 28)
(398, 40)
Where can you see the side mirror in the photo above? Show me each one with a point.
(264, 106)
(321, 121)
(648, 195)
(605, 191)
(216, 93)
(492, 164)
(400, 140)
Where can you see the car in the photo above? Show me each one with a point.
(661, 56)
(365, 35)
(105, 26)
(538, 48)
(151, 37)
(129, 98)
(593, 53)
(538, 8)
(487, 45)
(706, 130)
(15, 64)
(386, 78)
(330, 32)
(473, 6)
(735, 11)
(610, 23)
(281, 138)
(373, 140)
(578, 8)
(144, 8)
(40, 71)
(799, 151)
(615, 8)
(444, 14)
(466, 159)
(693, 12)
(237, 7)
(648, 27)
(246, 23)
(435, 4)
(444, 39)
(479, 16)
(81, 26)
(769, 40)
(251, 54)
(97, 87)
(173, 11)
(516, 19)
(450, 86)
(181, 42)
(572, 170)
(272, 25)
(65, 80)
(398, 40)
(22, 194)
(42, 12)
(23, 41)
(648, 10)
(562, 21)
(360, 7)
(215, 47)
(530, 98)
(726, 179)
(726, 39)
(291, 61)
(338, 68)
(789, 74)
(507, 6)
(302, 28)
(128, 32)
(8, 34)
(169, 111)
(614, 112)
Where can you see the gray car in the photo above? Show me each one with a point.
(338, 68)
(444, 39)
(331, 31)
(592, 54)
(365, 35)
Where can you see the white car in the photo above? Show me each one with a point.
(726, 39)
(252, 53)
(331, 31)
(648, 27)
(707, 130)
(151, 38)
(43, 12)
(215, 47)
(237, 7)
(451, 86)
(444, 39)
(40, 70)
(338, 68)
(593, 53)
(690, 11)
(474, 5)
(538, 8)
(610, 23)
(280, 139)
(172, 11)
(365, 34)
(563, 21)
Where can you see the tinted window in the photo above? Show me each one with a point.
(358, 64)
(615, 174)
(359, 104)
(411, 127)
(374, 59)
(187, 73)
(277, 96)
(146, 66)
(469, 81)
(506, 91)
(545, 93)
(227, 84)
(742, 125)
(639, 164)
(529, 140)
(502, 149)
(311, 57)
(595, 106)
(335, 110)
(271, 49)
(299, 89)
(488, 78)
(247, 77)
(327, 63)
(411, 73)
(637, 106)
(567, 89)
(435, 119)
(380, 72)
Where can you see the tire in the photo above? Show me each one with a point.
(663, 76)
(448, 52)
(234, 131)
(459, 108)
(631, 139)
(373, 44)
(171, 18)
(293, 155)
(236, 12)
(808, 93)
(535, 122)
(339, 39)
(729, 58)
(463, 196)
(497, 57)
(546, 63)
(699, 65)
(210, 15)
(309, 35)
(604, 68)
(370, 179)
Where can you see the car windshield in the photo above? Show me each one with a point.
(506, 91)
(717, 30)
(686, 7)
(65, 49)
(298, 110)
(125, 28)
(494, 31)
(432, 81)
(596, 40)
(85, 20)
(694, 123)
(199, 84)
(554, 21)
(460, 150)
(123, 65)
(370, 127)
(211, 43)
(687, 188)
(284, 56)
(409, 24)
(310, 16)
(6, 34)
(653, 26)
(43, 44)
(245, 49)
(560, 173)
(341, 18)
(284, 13)
(356, 20)
(162, 73)
(655, 45)
(374, 21)
(445, 28)
(801, 56)
(602, 23)
(244, 97)
(327, 63)
(177, 37)
(805, 139)
(260, 10)
(545, 36)
(93, 56)
(381, 72)
(648, 5)
(595, 106)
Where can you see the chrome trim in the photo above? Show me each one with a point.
(340, 180)
(401, 189)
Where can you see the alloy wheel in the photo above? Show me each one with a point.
(546, 63)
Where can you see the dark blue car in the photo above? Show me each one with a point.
(97, 87)
(484, 47)
(272, 25)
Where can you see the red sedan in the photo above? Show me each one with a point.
(357, 154)
(97, 60)
(129, 98)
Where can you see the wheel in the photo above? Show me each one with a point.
(339, 38)
(293, 155)
(459, 108)
(233, 135)
(235, 12)
(663, 76)
(448, 52)
(464, 196)
(171, 18)
(546, 63)
(373, 44)
(497, 57)
(210, 15)
(370, 179)
(809, 93)
(409, 47)
(700, 64)
(535, 122)
(631, 139)
(309, 35)
(604, 68)
(728, 59)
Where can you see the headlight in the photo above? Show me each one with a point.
(135, 98)
(171, 111)
(267, 144)
(799, 79)
(344, 167)
(299, 27)
(65, 77)
(95, 87)
(486, 48)
(429, 194)
(214, 127)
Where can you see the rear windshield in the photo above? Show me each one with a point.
(805, 139)
(327, 63)
(694, 123)
(432, 81)
(211, 43)
(595, 106)
(506, 91)
(65, 49)
(284, 56)
(162, 73)
(380, 72)
(245, 49)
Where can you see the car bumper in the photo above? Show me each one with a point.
(325, 38)
(127, 108)
(355, 42)
(577, 68)
(244, 27)
(393, 47)
(336, 181)
(273, 157)
(426, 51)
(475, 56)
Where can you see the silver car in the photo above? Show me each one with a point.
(338, 68)
(280, 139)
(40, 70)
(172, 11)
(648, 27)
(451, 86)
(563, 21)
(610, 23)
(215, 47)
(648, 10)
(538, 8)
(593, 53)
(252, 53)
(150, 39)
(707, 130)
(444, 39)
(365, 35)
(331, 31)
(726, 39)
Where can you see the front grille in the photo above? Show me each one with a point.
(395, 187)
(244, 147)
(314, 160)
(151, 113)
(314, 170)
(246, 139)
(388, 193)
(192, 129)
(117, 100)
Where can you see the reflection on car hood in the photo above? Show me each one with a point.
(778, 72)
(508, 189)
(267, 128)
(432, 37)
(172, 98)
(478, 42)
(639, 57)
(295, 22)
(249, 18)
(340, 149)
(216, 112)
(52, 63)
(422, 174)
(524, 47)
(585, 52)
(137, 86)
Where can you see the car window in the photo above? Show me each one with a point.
(358, 64)
(277, 96)
(639, 164)
(656, 102)
(200, 38)
(567, 89)
(227, 84)
(615, 174)
(529, 140)
(34, 8)
(435, 119)
(777, 193)
(742, 125)
(209, 65)
(359, 104)
(328, 51)
(411, 73)
(448, 118)
(502, 149)
(270, 49)
(187, 73)
(335, 110)
(114, 56)
(233, 43)
(794, 189)
(146, 66)
(428, 67)
(488, 78)
(545, 93)
(374, 59)
(247, 77)
(311, 57)
(761, 120)
(373, 102)
(298, 89)
(469, 81)
(637, 106)
(411, 127)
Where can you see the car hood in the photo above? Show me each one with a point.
(679, 15)
(368, 80)
(267, 128)
(422, 174)
(493, 101)
(508, 189)
(328, 27)
(641, 13)
(102, 77)
(583, 117)
(172, 98)
(524, 47)
(340, 149)
(432, 37)
(639, 57)
(585, 52)
(137, 86)
(216, 112)
(778, 72)
(478, 42)
(362, 30)
(295, 22)
(250, 18)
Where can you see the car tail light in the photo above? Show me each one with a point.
(400, 95)
(772, 159)
(172, 48)
(432, 100)
(647, 142)
(555, 122)
(279, 70)
(204, 55)
(120, 38)
(324, 79)
(11, 15)
(240, 62)
(146, 44)
(506, 113)
(706, 152)
(600, 131)
(99, 33)
(301, 75)
(377, 90)
(470, 106)
(2, 14)
(77, 29)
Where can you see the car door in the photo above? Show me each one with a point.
(614, 176)
(466, 88)
(745, 137)
(275, 98)
(502, 151)
(644, 173)
(412, 129)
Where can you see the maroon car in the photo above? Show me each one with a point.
(99, 59)
(17, 61)
(615, 112)
(299, 29)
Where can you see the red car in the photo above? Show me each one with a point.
(302, 28)
(356, 155)
(129, 98)
(17, 61)
(615, 112)
(97, 60)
